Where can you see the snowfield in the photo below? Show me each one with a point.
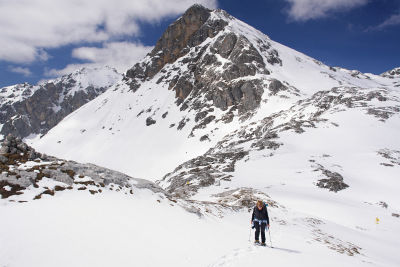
(74, 228)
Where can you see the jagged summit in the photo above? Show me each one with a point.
(197, 7)
(179, 35)
(187, 31)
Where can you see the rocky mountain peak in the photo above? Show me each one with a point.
(208, 53)
(190, 30)
(178, 34)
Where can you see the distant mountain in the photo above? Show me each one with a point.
(34, 109)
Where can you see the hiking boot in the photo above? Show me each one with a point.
(263, 244)
(256, 242)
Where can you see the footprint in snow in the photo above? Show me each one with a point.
(228, 259)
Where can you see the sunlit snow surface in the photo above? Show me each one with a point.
(74, 228)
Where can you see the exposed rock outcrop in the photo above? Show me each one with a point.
(333, 181)
(22, 168)
(188, 31)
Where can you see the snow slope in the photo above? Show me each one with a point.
(75, 228)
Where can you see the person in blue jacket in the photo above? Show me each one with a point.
(260, 220)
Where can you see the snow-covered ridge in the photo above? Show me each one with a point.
(394, 73)
(81, 79)
(85, 77)
(34, 109)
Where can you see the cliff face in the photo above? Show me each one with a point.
(188, 31)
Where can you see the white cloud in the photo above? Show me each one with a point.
(53, 73)
(29, 26)
(21, 70)
(303, 10)
(119, 55)
(391, 21)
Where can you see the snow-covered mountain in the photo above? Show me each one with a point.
(208, 76)
(220, 115)
(34, 109)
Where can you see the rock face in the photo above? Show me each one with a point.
(333, 181)
(14, 146)
(203, 171)
(27, 109)
(188, 31)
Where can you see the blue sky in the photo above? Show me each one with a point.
(41, 39)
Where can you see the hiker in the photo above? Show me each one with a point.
(260, 220)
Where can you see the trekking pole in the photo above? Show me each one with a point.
(250, 235)
(269, 232)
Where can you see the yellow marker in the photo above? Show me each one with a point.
(187, 182)
(377, 220)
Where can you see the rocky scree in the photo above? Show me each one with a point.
(23, 168)
(218, 163)
(333, 181)
(393, 156)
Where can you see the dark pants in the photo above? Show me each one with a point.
(258, 226)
